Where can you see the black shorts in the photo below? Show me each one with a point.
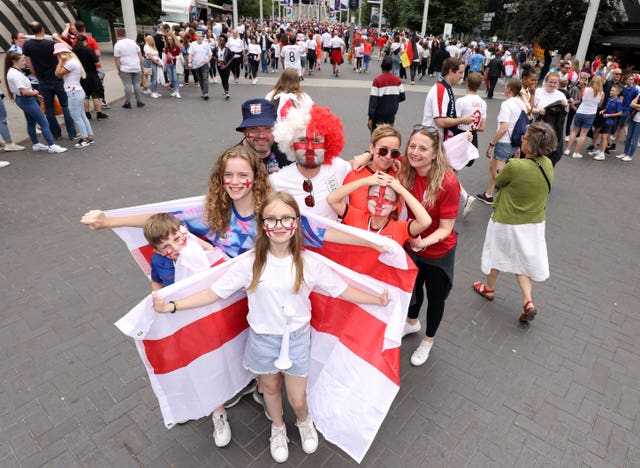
(326, 49)
(92, 87)
(608, 129)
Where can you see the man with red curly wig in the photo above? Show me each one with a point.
(313, 140)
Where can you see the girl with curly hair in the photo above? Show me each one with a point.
(426, 173)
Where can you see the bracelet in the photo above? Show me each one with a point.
(175, 307)
(492, 144)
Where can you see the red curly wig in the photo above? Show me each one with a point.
(324, 123)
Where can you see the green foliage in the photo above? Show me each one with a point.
(465, 15)
(557, 24)
(146, 10)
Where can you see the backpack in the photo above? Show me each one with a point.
(519, 129)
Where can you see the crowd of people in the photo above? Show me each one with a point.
(289, 159)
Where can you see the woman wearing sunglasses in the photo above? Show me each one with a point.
(427, 175)
(385, 151)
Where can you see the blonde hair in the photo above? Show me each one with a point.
(218, 204)
(597, 84)
(69, 55)
(263, 243)
(437, 171)
(288, 83)
(385, 131)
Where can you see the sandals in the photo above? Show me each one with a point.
(528, 314)
(481, 289)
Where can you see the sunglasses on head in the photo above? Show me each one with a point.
(425, 128)
(309, 200)
(385, 151)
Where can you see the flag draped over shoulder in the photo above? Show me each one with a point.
(194, 357)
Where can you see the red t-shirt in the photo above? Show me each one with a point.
(367, 47)
(359, 198)
(445, 207)
(396, 230)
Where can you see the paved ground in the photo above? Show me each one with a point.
(561, 392)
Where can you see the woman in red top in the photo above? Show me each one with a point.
(427, 175)
(171, 52)
(382, 204)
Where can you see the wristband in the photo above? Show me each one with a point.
(492, 144)
(175, 307)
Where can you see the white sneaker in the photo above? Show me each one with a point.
(13, 147)
(82, 144)
(40, 147)
(592, 152)
(468, 205)
(178, 95)
(255, 80)
(308, 435)
(279, 441)
(627, 159)
(4, 163)
(155, 95)
(408, 328)
(600, 157)
(146, 91)
(576, 156)
(421, 354)
(215, 79)
(566, 138)
(173, 94)
(221, 429)
(56, 149)
(620, 156)
(567, 152)
(210, 80)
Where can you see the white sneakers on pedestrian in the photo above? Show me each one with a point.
(215, 79)
(308, 435)
(155, 95)
(56, 149)
(576, 156)
(421, 354)
(4, 163)
(255, 80)
(279, 441)
(210, 80)
(221, 429)
(409, 328)
(600, 157)
(627, 158)
(13, 147)
(40, 147)
(469, 201)
(620, 156)
(567, 152)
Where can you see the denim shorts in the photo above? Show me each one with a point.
(503, 151)
(583, 121)
(262, 350)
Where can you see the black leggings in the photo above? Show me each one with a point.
(224, 78)
(438, 286)
(235, 67)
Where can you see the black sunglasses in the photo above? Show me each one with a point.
(385, 151)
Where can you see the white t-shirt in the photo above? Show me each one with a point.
(359, 51)
(255, 49)
(127, 50)
(302, 45)
(434, 107)
(311, 44)
(151, 53)
(291, 56)
(200, 53)
(17, 80)
(235, 45)
(326, 39)
(510, 112)
(72, 79)
(328, 179)
(471, 104)
(543, 98)
(337, 42)
(275, 47)
(275, 290)
(589, 103)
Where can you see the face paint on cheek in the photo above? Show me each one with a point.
(269, 231)
(247, 183)
(309, 153)
(382, 206)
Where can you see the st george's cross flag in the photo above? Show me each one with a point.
(194, 357)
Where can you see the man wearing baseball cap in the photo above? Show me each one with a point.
(258, 119)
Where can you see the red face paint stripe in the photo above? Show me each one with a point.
(359, 331)
(200, 337)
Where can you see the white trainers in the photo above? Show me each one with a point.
(155, 95)
(468, 205)
(255, 80)
(4, 163)
(566, 138)
(620, 156)
(308, 435)
(82, 144)
(421, 354)
(40, 147)
(173, 94)
(13, 147)
(576, 156)
(56, 149)
(221, 429)
(210, 80)
(600, 157)
(627, 158)
(408, 328)
(279, 441)
(567, 152)
(146, 91)
(215, 79)
(178, 95)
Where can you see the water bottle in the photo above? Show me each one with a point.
(272, 164)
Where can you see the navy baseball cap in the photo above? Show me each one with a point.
(257, 113)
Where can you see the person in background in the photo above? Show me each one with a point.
(128, 59)
(387, 92)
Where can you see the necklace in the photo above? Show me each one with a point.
(374, 229)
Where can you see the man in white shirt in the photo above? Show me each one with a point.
(128, 60)
(326, 45)
(291, 55)
(198, 61)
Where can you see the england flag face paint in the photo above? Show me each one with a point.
(237, 178)
(173, 245)
(381, 200)
(310, 150)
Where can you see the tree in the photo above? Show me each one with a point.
(147, 11)
(557, 24)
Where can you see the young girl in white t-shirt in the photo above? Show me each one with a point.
(278, 275)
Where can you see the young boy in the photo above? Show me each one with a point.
(169, 239)
(472, 103)
(611, 112)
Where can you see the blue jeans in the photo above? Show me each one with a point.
(367, 59)
(173, 76)
(55, 88)
(395, 64)
(76, 109)
(264, 61)
(34, 115)
(4, 128)
(633, 133)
